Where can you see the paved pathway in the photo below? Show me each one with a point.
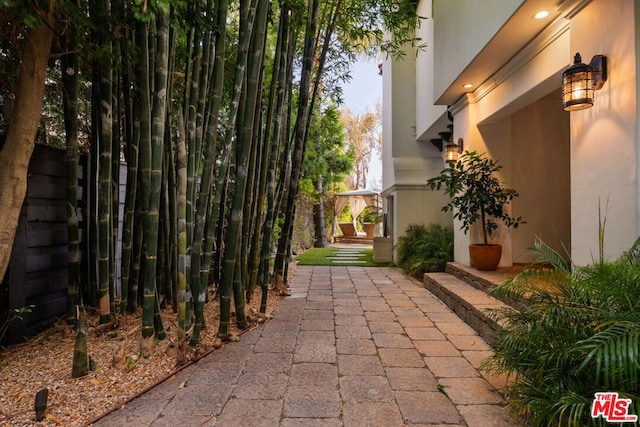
(351, 346)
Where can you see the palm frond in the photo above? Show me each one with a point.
(578, 334)
(613, 355)
(633, 254)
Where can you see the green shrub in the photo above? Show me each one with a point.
(425, 249)
(580, 334)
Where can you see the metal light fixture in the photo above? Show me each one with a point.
(452, 151)
(580, 81)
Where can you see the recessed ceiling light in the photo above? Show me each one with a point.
(468, 85)
(542, 14)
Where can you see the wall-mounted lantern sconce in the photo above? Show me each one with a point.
(452, 151)
(581, 80)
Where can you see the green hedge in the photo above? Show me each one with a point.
(425, 249)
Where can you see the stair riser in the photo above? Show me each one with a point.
(475, 318)
(481, 284)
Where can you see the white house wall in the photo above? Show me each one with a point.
(604, 138)
(598, 172)
(540, 172)
(430, 118)
(502, 122)
(407, 163)
(462, 30)
(566, 164)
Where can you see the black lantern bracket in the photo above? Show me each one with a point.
(599, 65)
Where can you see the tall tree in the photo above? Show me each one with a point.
(156, 142)
(364, 137)
(21, 135)
(204, 223)
(248, 14)
(275, 127)
(304, 116)
(327, 161)
(103, 125)
(69, 76)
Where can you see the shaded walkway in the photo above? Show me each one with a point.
(351, 346)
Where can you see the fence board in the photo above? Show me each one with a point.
(43, 282)
(49, 161)
(37, 273)
(39, 210)
(44, 234)
(47, 187)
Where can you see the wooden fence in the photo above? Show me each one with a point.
(37, 273)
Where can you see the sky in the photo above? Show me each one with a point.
(361, 94)
(365, 87)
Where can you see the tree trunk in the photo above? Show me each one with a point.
(252, 131)
(128, 299)
(69, 66)
(157, 134)
(318, 218)
(104, 125)
(203, 242)
(183, 296)
(242, 156)
(299, 140)
(278, 88)
(303, 120)
(21, 135)
(143, 119)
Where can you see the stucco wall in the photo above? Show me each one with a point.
(408, 163)
(540, 172)
(399, 148)
(388, 174)
(426, 112)
(480, 21)
(604, 138)
(524, 133)
(418, 205)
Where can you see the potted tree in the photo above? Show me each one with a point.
(477, 194)
(369, 218)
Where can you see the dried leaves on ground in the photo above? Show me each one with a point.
(119, 373)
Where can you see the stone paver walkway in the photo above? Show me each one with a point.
(351, 346)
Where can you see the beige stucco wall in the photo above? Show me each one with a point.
(602, 141)
(388, 174)
(427, 114)
(400, 151)
(524, 133)
(564, 164)
(540, 172)
(604, 138)
(418, 205)
(480, 20)
(407, 163)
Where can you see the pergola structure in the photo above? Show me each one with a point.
(357, 200)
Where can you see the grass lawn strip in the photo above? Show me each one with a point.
(362, 257)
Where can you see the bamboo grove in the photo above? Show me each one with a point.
(210, 105)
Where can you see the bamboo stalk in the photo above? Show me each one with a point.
(69, 66)
(201, 256)
(242, 155)
(105, 133)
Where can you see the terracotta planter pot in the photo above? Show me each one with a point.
(369, 229)
(485, 257)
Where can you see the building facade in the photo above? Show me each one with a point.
(493, 70)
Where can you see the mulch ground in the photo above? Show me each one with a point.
(120, 373)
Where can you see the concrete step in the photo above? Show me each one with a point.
(467, 301)
(486, 281)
